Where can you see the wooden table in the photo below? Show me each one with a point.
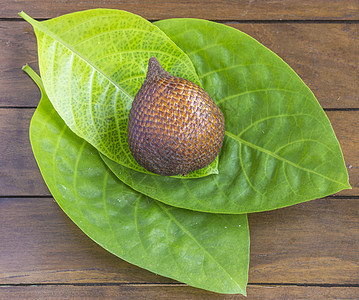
(307, 251)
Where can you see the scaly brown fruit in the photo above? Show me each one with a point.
(174, 125)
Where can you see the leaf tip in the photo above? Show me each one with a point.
(24, 67)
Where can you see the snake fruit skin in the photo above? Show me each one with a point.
(174, 125)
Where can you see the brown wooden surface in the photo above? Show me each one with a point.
(174, 292)
(307, 251)
(205, 9)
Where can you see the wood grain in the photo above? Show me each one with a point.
(209, 9)
(46, 247)
(20, 175)
(345, 125)
(299, 244)
(312, 242)
(17, 48)
(18, 169)
(174, 292)
(324, 55)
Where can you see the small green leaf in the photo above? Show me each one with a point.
(207, 251)
(279, 148)
(93, 63)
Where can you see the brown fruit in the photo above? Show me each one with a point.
(174, 126)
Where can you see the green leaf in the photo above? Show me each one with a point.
(204, 250)
(279, 148)
(93, 63)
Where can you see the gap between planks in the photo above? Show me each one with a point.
(153, 284)
(305, 21)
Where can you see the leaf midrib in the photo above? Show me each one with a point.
(163, 208)
(253, 146)
(44, 29)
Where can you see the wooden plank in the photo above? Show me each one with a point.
(40, 244)
(19, 172)
(209, 9)
(20, 175)
(18, 47)
(324, 55)
(173, 292)
(315, 242)
(348, 137)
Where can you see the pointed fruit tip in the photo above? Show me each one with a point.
(153, 60)
(154, 68)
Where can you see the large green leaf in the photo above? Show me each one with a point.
(93, 63)
(279, 148)
(204, 250)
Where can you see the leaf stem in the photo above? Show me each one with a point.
(27, 18)
(34, 76)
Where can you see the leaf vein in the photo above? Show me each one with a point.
(255, 91)
(246, 175)
(268, 152)
(195, 241)
(273, 117)
(136, 221)
(116, 30)
(134, 51)
(235, 66)
(76, 167)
